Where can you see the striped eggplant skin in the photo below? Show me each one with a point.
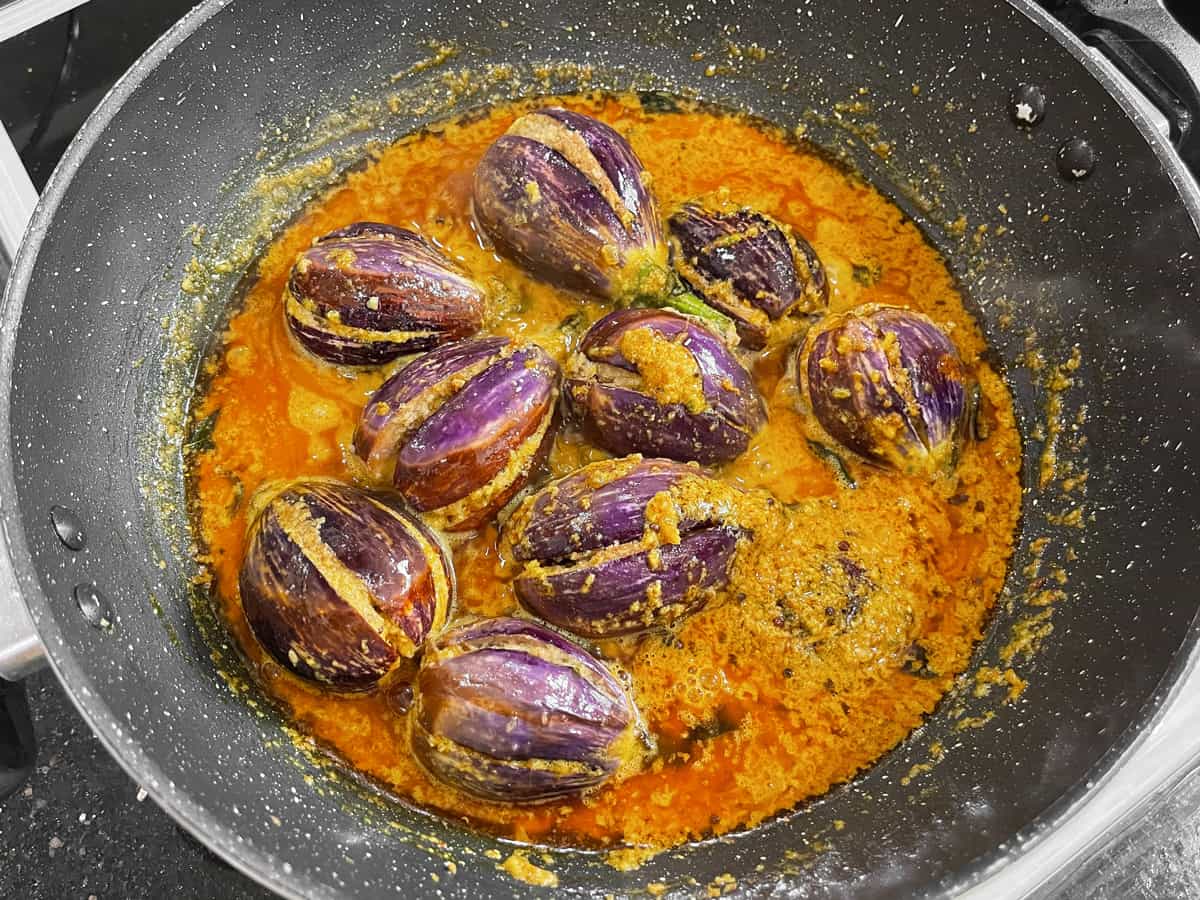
(747, 265)
(888, 384)
(368, 293)
(624, 594)
(460, 430)
(597, 506)
(621, 546)
(509, 711)
(564, 196)
(654, 382)
(340, 585)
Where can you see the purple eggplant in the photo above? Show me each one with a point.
(564, 196)
(622, 545)
(340, 585)
(461, 429)
(747, 265)
(509, 711)
(652, 381)
(888, 384)
(368, 293)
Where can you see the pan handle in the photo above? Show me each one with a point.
(1150, 48)
(20, 649)
(21, 652)
(20, 197)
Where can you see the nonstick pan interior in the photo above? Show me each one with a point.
(1107, 264)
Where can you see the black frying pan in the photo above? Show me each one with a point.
(94, 318)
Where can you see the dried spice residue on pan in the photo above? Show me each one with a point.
(1061, 482)
(797, 680)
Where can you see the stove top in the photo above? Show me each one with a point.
(80, 827)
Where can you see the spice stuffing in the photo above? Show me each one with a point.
(855, 597)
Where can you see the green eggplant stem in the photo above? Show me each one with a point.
(661, 288)
(691, 305)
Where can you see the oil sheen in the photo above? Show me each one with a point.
(781, 688)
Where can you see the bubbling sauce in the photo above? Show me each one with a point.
(848, 615)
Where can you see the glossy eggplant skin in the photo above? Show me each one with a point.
(654, 382)
(621, 546)
(747, 265)
(888, 384)
(461, 429)
(564, 195)
(597, 506)
(368, 293)
(509, 711)
(340, 585)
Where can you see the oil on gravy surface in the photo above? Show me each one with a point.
(775, 692)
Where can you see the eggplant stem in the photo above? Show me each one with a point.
(661, 288)
(691, 305)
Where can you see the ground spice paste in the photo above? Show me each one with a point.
(847, 616)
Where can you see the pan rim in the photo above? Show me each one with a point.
(194, 818)
(259, 865)
(990, 867)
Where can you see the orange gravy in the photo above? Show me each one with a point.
(757, 702)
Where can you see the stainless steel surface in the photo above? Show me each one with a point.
(18, 16)
(1157, 857)
(17, 198)
(1152, 20)
(1154, 116)
(21, 652)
